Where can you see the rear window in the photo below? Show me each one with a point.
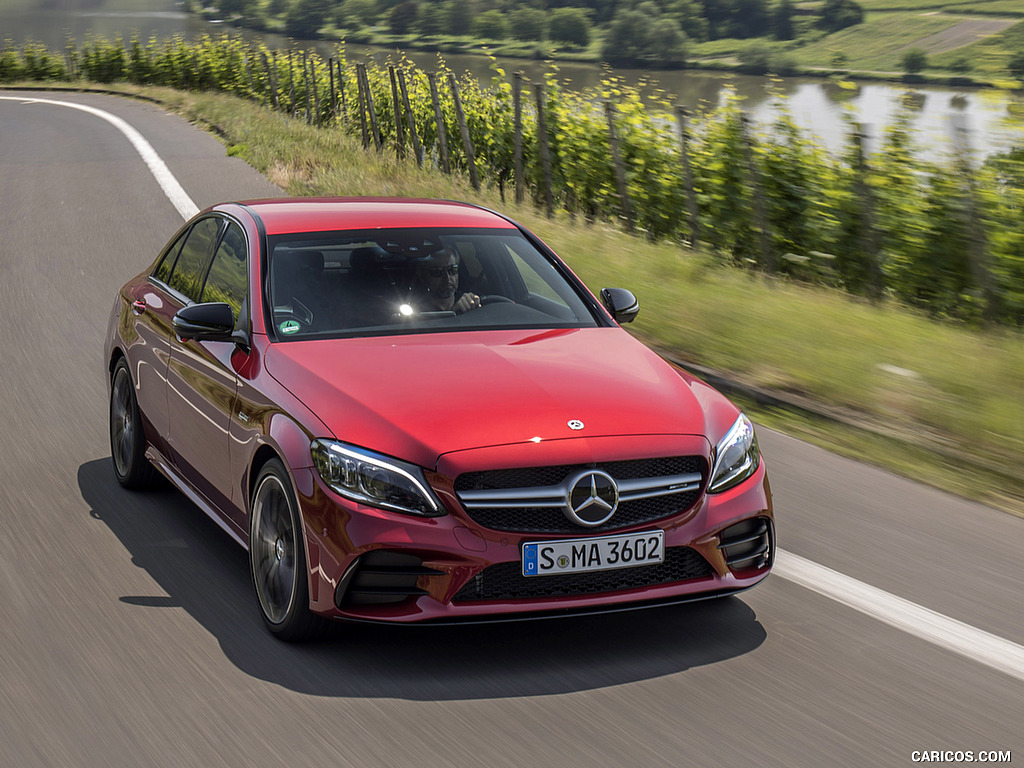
(333, 284)
(189, 271)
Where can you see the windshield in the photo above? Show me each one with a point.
(331, 284)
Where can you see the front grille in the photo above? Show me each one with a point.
(382, 577)
(650, 490)
(505, 581)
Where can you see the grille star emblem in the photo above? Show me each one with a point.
(592, 498)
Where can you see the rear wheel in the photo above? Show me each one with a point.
(277, 558)
(127, 441)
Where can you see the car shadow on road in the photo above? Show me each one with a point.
(204, 572)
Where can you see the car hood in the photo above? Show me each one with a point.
(417, 397)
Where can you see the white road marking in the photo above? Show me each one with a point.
(168, 183)
(953, 635)
(976, 644)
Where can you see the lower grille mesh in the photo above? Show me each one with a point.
(505, 581)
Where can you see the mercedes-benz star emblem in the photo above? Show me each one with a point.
(592, 498)
(575, 424)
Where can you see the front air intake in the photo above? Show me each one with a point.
(382, 577)
(747, 545)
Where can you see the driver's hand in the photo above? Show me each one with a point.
(467, 302)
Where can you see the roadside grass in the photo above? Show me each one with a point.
(933, 401)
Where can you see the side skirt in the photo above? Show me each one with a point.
(179, 482)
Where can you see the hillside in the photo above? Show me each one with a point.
(963, 40)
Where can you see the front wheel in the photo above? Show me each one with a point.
(127, 441)
(277, 558)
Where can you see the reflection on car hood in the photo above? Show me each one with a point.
(420, 396)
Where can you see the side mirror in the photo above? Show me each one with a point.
(622, 304)
(205, 322)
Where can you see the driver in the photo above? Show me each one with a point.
(437, 284)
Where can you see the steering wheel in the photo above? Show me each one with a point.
(495, 298)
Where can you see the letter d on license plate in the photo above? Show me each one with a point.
(545, 558)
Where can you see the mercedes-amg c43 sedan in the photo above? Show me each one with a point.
(413, 411)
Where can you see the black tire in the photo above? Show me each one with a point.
(277, 558)
(127, 438)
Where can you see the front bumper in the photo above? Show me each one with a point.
(371, 565)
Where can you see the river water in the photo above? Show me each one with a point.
(820, 107)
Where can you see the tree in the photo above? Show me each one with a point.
(782, 20)
(626, 41)
(402, 17)
(602, 10)
(690, 16)
(431, 20)
(736, 18)
(232, 7)
(459, 15)
(360, 13)
(667, 37)
(305, 17)
(1016, 65)
(491, 25)
(750, 18)
(527, 23)
(569, 25)
(914, 61)
(642, 36)
(840, 14)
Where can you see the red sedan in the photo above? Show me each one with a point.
(413, 411)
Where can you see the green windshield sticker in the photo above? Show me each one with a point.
(289, 326)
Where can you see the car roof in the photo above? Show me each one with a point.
(291, 215)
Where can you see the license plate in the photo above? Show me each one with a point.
(545, 558)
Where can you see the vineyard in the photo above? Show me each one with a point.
(946, 237)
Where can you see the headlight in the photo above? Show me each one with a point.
(736, 456)
(373, 479)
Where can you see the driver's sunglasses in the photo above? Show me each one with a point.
(452, 270)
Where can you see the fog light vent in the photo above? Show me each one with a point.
(382, 577)
(747, 545)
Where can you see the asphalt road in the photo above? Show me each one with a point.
(129, 636)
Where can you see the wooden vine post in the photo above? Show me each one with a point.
(517, 146)
(761, 221)
(362, 106)
(545, 152)
(981, 274)
(334, 93)
(467, 142)
(410, 120)
(396, 110)
(341, 88)
(368, 96)
(867, 234)
(442, 136)
(691, 193)
(620, 168)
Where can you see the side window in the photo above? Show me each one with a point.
(163, 269)
(190, 270)
(227, 279)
